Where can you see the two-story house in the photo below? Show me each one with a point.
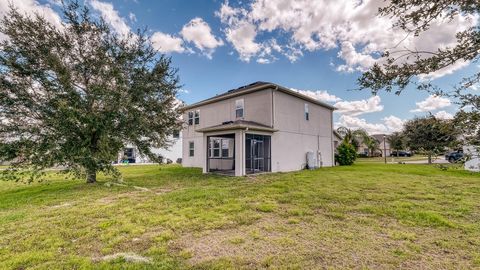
(260, 127)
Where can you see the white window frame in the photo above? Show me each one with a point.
(196, 117)
(213, 148)
(190, 118)
(191, 148)
(225, 145)
(239, 107)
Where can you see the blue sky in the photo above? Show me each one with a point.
(219, 45)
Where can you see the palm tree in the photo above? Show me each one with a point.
(372, 144)
(352, 136)
(396, 141)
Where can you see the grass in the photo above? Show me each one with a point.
(167, 217)
(393, 159)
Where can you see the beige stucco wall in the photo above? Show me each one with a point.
(294, 138)
(297, 136)
(257, 107)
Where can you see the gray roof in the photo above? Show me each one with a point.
(257, 86)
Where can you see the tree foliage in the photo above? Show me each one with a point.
(396, 141)
(347, 154)
(372, 144)
(397, 68)
(352, 136)
(401, 66)
(430, 134)
(74, 96)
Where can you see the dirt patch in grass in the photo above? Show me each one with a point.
(62, 205)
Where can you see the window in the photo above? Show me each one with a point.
(307, 116)
(239, 108)
(197, 117)
(220, 148)
(176, 134)
(215, 148)
(191, 149)
(190, 118)
(226, 148)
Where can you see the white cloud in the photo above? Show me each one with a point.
(321, 95)
(241, 32)
(353, 122)
(242, 37)
(166, 43)
(389, 125)
(443, 115)
(432, 103)
(354, 60)
(393, 123)
(353, 26)
(111, 16)
(263, 61)
(200, 33)
(31, 7)
(132, 17)
(358, 107)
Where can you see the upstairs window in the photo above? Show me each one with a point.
(307, 115)
(197, 117)
(190, 118)
(176, 134)
(191, 149)
(239, 108)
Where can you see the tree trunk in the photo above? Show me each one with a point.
(429, 158)
(91, 176)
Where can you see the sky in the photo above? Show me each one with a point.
(319, 48)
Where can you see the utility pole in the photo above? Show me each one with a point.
(384, 149)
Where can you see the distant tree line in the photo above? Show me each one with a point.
(428, 134)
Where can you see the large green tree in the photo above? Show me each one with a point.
(398, 68)
(430, 134)
(74, 96)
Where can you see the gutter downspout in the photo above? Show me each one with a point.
(273, 107)
(319, 156)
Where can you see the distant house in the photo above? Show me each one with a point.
(173, 152)
(383, 146)
(337, 139)
(261, 127)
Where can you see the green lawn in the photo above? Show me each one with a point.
(167, 217)
(393, 159)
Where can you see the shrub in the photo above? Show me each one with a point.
(346, 154)
(179, 160)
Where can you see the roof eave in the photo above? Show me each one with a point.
(257, 88)
(235, 127)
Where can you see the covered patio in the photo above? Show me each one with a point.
(237, 148)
